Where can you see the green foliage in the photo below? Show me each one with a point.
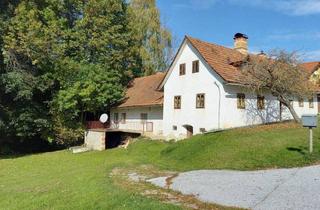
(87, 88)
(153, 40)
(60, 60)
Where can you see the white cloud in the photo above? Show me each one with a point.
(299, 7)
(295, 36)
(311, 55)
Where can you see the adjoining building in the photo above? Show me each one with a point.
(203, 90)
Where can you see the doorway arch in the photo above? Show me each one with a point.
(189, 129)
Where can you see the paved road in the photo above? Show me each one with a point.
(297, 188)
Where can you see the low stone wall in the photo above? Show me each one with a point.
(95, 140)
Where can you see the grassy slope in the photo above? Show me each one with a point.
(61, 180)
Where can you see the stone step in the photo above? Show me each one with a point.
(79, 149)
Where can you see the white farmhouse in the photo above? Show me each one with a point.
(201, 91)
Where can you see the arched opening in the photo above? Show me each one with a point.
(189, 129)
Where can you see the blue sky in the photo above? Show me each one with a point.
(293, 25)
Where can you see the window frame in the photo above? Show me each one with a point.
(123, 119)
(301, 102)
(241, 101)
(195, 66)
(311, 103)
(182, 69)
(200, 103)
(259, 99)
(175, 104)
(144, 119)
(116, 117)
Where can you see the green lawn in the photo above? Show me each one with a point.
(61, 180)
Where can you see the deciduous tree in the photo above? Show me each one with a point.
(281, 74)
(153, 40)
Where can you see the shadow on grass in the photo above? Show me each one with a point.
(301, 150)
(10, 149)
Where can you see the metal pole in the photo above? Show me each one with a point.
(310, 140)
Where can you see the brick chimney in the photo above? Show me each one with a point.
(241, 43)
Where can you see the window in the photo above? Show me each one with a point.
(182, 69)
(260, 102)
(195, 66)
(123, 118)
(200, 101)
(174, 127)
(311, 103)
(301, 104)
(144, 117)
(241, 101)
(203, 130)
(291, 102)
(177, 102)
(116, 117)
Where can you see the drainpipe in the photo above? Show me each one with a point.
(219, 106)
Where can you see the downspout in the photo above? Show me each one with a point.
(219, 105)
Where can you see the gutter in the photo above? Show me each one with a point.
(219, 106)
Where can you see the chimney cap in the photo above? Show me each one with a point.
(240, 35)
(262, 53)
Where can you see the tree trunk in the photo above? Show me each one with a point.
(291, 109)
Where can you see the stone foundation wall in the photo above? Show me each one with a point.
(95, 140)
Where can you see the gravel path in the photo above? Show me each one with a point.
(297, 188)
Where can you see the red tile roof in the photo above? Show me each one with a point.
(311, 67)
(143, 91)
(220, 58)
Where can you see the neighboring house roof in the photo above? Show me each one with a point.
(311, 67)
(143, 91)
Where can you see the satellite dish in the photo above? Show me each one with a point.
(104, 118)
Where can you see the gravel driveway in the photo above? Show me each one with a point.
(297, 188)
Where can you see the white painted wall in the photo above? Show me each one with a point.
(234, 117)
(206, 81)
(95, 140)
(220, 110)
(188, 86)
(133, 119)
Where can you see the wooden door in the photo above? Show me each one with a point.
(189, 131)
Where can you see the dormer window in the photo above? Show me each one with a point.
(195, 66)
(182, 70)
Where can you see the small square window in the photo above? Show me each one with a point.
(200, 101)
(123, 118)
(260, 102)
(116, 118)
(195, 66)
(301, 102)
(241, 101)
(174, 128)
(182, 70)
(311, 105)
(144, 117)
(177, 102)
(203, 130)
